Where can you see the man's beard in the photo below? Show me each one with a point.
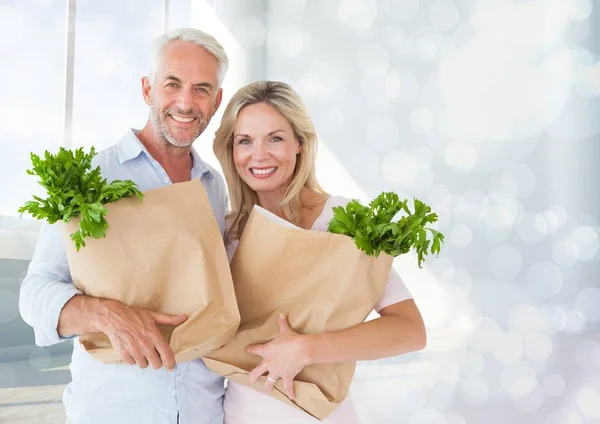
(161, 129)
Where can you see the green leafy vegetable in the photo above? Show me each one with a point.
(75, 190)
(373, 230)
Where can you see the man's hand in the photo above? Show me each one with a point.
(133, 332)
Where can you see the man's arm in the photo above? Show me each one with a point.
(82, 314)
(57, 310)
(133, 332)
(47, 287)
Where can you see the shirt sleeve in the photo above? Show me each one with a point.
(222, 199)
(226, 209)
(395, 291)
(230, 247)
(47, 286)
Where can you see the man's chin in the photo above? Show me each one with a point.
(185, 139)
(180, 143)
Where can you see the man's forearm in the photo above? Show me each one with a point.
(82, 314)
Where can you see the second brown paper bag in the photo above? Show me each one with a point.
(321, 281)
(164, 253)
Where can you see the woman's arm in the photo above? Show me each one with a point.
(400, 329)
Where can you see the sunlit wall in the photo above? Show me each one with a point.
(489, 111)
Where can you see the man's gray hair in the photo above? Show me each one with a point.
(189, 35)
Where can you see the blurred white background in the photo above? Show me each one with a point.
(488, 110)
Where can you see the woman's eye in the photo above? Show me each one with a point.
(276, 139)
(244, 141)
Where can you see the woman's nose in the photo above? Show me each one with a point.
(261, 152)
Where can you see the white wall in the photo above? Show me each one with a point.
(489, 112)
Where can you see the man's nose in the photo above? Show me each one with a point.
(185, 100)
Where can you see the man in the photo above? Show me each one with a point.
(183, 92)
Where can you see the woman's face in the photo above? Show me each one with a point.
(264, 148)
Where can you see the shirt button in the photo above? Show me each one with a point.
(166, 180)
(179, 378)
(174, 392)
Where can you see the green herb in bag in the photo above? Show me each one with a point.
(374, 231)
(75, 190)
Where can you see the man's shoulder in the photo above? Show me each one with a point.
(108, 157)
(216, 175)
(110, 152)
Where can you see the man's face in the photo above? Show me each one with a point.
(183, 96)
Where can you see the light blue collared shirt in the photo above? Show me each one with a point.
(113, 394)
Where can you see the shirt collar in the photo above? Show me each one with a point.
(199, 165)
(130, 147)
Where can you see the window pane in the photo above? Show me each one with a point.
(179, 13)
(32, 71)
(111, 56)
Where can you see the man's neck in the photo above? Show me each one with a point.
(176, 161)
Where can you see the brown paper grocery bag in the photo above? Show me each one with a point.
(321, 281)
(164, 253)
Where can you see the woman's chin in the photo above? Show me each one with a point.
(262, 184)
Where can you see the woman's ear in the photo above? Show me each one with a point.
(299, 146)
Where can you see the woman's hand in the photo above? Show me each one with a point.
(283, 357)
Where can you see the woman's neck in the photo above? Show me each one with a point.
(271, 201)
(311, 201)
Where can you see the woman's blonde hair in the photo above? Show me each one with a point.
(286, 101)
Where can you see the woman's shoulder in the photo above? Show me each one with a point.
(327, 213)
(338, 201)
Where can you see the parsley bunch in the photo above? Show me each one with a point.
(75, 190)
(373, 230)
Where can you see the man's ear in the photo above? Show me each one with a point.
(146, 89)
(218, 100)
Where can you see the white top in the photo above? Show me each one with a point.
(244, 405)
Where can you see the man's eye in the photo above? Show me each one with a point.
(172, 85)
(202, 89)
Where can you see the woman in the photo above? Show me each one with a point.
(266, 145)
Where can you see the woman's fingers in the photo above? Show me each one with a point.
(288, 386)
(262, 368)
(270, 382)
